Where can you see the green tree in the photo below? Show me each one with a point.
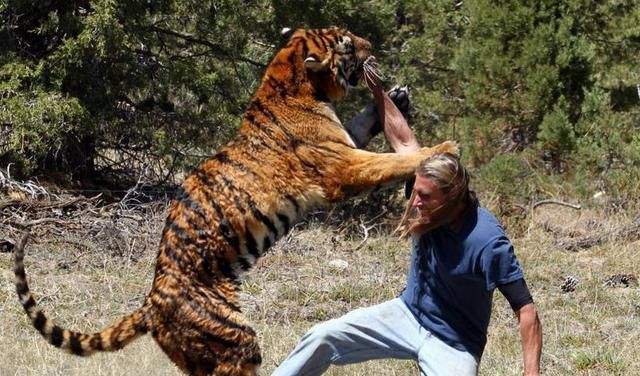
(116, 84)
(518, 61)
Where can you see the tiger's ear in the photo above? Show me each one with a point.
(286, 33)
(313, 64)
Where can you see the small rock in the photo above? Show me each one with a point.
(338, 264)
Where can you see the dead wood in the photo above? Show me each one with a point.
(628, 232)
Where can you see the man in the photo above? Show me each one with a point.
(460, 255)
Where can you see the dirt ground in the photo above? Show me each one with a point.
(89, 263)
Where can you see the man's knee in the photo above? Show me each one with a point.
(325, 333)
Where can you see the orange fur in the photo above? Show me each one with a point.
(291, 154)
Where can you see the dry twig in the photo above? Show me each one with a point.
(556, 202)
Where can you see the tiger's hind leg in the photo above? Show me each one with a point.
(205, 333)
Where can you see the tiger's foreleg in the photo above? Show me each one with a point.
(356, 171)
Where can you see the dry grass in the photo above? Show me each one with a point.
(592, 330)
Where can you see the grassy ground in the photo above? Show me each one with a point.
(85, 284)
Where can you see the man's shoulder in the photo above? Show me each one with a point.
(487, 227)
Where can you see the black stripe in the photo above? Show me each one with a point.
(20, 274)
(185, 198)
(305, 51)
(74, 344)
(29, 304)
(165, 298)
(181, 233)
(22, 288)
(276, 86)
(196, 227)
(285, 222)
(39, 322)
(248, 116)
(332, 39)
(96, 342)
(229, 185)
(294, 202)
(224, 266)
(262, 109)
(324, 45)
(218, 295)
(219, 340)
(266, 244)
(260, 141)
(230, 235)
(254, 209)
(256, 358)
(244, 263)
(291, 59)
(261, 217)
(321, 46)
(330, 150)
(57, 336)
(190, 364)
(252, 246)
(223, 157)
(208, 181)
(168, 250)
(212, 315)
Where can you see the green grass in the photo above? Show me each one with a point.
(593, 330)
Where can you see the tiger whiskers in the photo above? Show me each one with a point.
(371, 71)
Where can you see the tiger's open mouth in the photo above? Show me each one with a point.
(351, 75)
(354, 78)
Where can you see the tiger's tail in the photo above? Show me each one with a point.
(113, 338)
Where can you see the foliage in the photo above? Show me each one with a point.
(505, 177)
(121, 87)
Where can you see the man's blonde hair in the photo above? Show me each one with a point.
(451, 178)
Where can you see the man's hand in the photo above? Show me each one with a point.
(531, 335)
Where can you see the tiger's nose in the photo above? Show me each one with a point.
(362, 46)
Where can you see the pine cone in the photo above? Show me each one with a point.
(621, 280)
(569, 284)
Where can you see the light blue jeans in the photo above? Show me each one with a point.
(387, 330)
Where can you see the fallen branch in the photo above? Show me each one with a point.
(26, 225)
(556, 202)
(630, 232)
(366, 235)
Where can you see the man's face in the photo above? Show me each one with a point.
(428, 199)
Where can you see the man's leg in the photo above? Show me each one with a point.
(387, 330)
(436, 358)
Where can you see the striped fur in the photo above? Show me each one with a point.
(291, 154)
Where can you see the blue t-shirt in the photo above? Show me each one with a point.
(452, 277)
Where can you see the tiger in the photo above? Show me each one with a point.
(290, 154)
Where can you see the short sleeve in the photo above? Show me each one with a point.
(499, 263)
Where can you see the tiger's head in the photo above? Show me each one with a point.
(326, 61)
